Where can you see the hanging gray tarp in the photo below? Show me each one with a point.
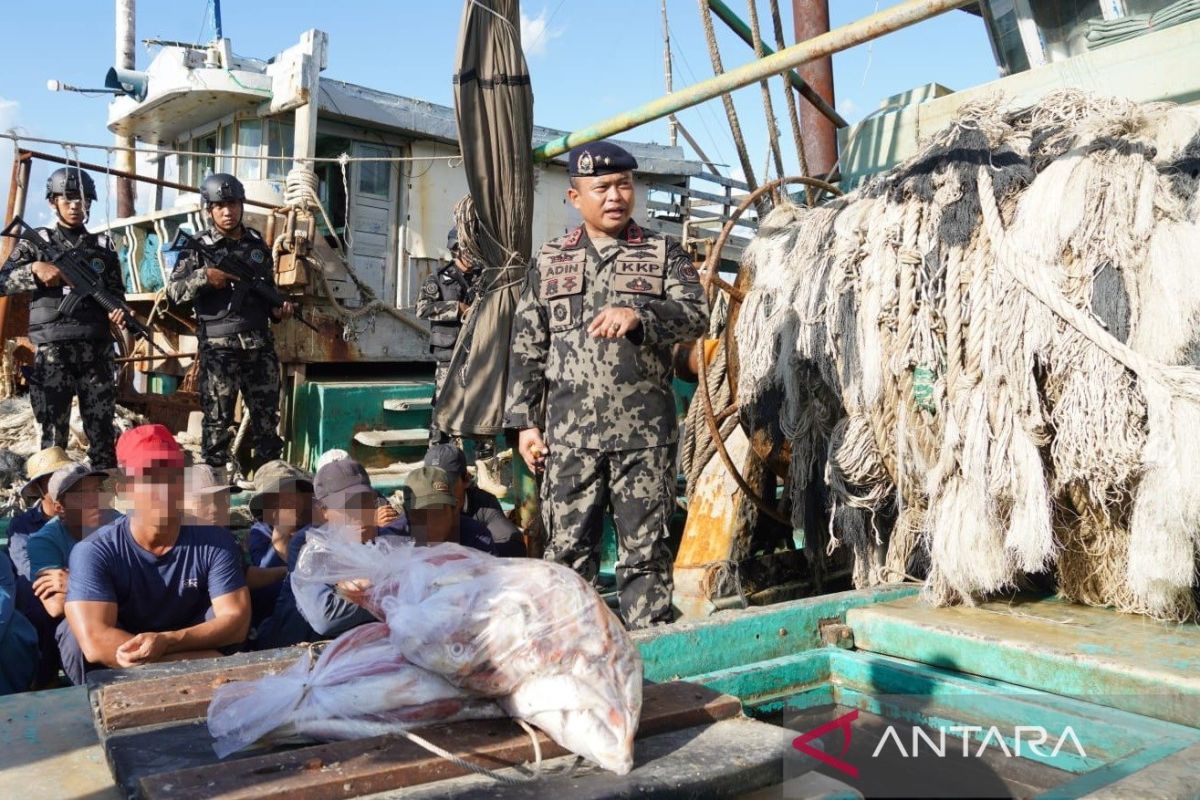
(494, 106)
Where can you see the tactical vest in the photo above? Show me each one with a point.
(47, 322)
(234, 309)
(444, 334)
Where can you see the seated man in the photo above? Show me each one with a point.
(82, 507)
(39, 467)
(18, 639)
(148, 587)
(283, 503)
(474, 502)
(206, 497)
(346, 506)
(433, 513)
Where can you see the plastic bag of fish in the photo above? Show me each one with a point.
(529, 635)
(359, 686)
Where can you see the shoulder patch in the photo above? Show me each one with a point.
(573, 238)
(430, 290)
(686, 272)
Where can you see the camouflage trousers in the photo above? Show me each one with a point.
(225, 371)
(639, 487)
(63, 370)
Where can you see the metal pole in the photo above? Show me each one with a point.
(811, 19)
(182, 187)
(126, 15)
(871, 27)
(672, 136)
(739, 26)
(17, 192)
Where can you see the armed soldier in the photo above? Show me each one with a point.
(590, 366)
(74, 342)
(446, 296)
(237, 350)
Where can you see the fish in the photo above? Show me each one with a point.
(358, 685)
(529, 634)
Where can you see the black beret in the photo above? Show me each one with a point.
(599, 158)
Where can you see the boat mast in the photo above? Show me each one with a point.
(126, 161)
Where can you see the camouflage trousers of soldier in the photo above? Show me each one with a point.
(83, 369)
(224, 372)
(639, 487)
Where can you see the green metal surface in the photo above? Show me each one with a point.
(870, 27)
(1123, 661)
(737, 638)
(326, 415)
(49, 747)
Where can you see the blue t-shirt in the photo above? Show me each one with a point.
(263, 554)
(50, 548)
(156, 593)
(22, 526)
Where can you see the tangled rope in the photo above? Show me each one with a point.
(977, 419)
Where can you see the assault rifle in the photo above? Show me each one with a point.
(242, 272)
(84, 281)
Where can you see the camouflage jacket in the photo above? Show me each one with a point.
(602, 394)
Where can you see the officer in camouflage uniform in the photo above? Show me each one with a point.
(74, 350)
(445, 297)
(237, 350)
(591, 366)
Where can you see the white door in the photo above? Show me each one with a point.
(374, 194)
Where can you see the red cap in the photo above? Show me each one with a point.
(147, 446)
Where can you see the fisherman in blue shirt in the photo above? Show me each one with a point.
(283, 502)
(39, 467)
(82, 507)
(18, 639)
(149, 588)
(433, 512)
(346, 505)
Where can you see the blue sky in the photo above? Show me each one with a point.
(588, 59)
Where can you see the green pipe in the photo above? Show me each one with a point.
(739, 26)
(866, 29)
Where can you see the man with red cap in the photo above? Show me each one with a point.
(148, 587)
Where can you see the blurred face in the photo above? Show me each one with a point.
(288, 510)
(356, 518)
(227, 216)
(156, 497)
(72, 210)
(81, 507)
(432, 525)
(605, 202)
(208, 508)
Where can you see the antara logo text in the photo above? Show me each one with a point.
(1028, 741)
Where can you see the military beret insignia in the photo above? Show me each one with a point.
(585, 165)
(686, 272)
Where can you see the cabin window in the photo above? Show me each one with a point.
(374, 177)
(203, 166)
(280, 142)
(249, 143)
(224, 149)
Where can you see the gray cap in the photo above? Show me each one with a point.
(448, 457)
(275, 477)
(338, 481)
(65, 479)
(203, 479)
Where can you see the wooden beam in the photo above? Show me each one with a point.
(382, 763)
